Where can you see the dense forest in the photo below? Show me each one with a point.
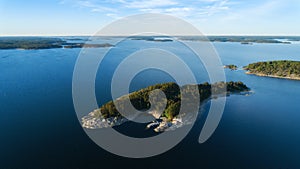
(30, 43)
(43, 43)
(231, 67)
(284, 68)
(242, 39)
(140, 99)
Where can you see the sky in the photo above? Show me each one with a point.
(211, 17)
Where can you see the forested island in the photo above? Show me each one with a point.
(60, 42)
(243, 39)
(43, 43)
(231, 67)
(246, 40)
(153, 38)
(86, 45)
(107, 115)
(278, 69)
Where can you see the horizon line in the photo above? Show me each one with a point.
(90, 35)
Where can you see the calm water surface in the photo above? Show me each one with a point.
(39, 127)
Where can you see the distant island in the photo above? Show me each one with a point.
(61, 42)
(245, 40)
(277, 69)
(43, 43)
(153, 38)
(108, 116)
(231, 67)
(85, 45)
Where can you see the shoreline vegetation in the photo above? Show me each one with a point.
(33, 43)
(231, 67)
(108, 116)
(244, 40)
(283, 69)
(36, 42)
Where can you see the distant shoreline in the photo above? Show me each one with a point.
(49, 42)
(34, 43)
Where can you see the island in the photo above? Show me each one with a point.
(245, 40)
(246, 43)
(153, 38)
(108, 116)
(31, 43)
(86, 45)
(277, 69)
(231, 67)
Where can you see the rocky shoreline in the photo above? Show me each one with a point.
(91, 121)
(159, 125)
(273, 76)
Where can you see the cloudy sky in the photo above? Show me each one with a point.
(212, 17)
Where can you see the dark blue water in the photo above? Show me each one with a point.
(39, 127)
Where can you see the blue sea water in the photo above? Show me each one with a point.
(39, 127)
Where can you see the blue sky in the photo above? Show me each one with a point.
(212, 17)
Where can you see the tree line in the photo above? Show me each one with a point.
(140, 99)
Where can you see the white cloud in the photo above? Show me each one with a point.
(179, 12)
(226, 16)
(185, 9)
(141, 4)
(94, 7)
(215, 8)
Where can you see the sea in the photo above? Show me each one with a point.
(39, 127)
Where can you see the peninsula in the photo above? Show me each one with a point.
(108, 116)
(277, 69)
